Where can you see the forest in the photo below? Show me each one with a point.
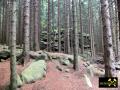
(59, 44)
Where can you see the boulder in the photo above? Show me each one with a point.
(117, 66)
(4, 55)
(65, 62)
(34, 71)
(19, 51)
(39, 55)
(19, 81)
(93, 69)
(34, 55)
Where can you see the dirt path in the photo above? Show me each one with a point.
(54, 80)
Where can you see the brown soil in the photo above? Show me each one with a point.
(54, 80)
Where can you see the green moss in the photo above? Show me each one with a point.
(34, 72)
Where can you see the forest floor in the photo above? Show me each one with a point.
(54, 80)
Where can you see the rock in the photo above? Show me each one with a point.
(88, 81)
(60, 68)
(70, 57)
(54, 57)
(19, 51)
(87, 54)
(5, 47)
(34, 71)
(67, 70)
(98, 71)
(90, 70)
(4, 55)
(93, 70)
(117, 67)
(99, 60)
(42, 56)
(86, 64)
(39, 55)
(65, 62)
(19, 81)
(33, 54)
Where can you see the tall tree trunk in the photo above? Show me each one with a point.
(8, 22)
(118, 4)
(67, 26)
(31, 25)
(21, 23)
(101, 46)
(71, 29)
(90, 27)
(112, 19)
(0, 21)
(53, 23)
(59, 31)
(3, 21)
(81, 28)
(116, 32)
(39, 23)
(26, 28)
(109, 57)
(19, 32)
(75, 33)
(36, 26)
(48, 29)
(13, 76)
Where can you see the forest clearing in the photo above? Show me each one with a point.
(59, 44)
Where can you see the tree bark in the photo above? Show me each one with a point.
(75, 33)
(59, 31)
(0, 21)
(3, 22)
(109, 57)
(13, 76)
(118, 5)
(48, 29)
(68, 28)
(90, 28)
(112, 19)
(53, 24)
(36, 26)
(81, 28)
(8, 22)
(116, 32)
(21, 23)
(32, 25)
(26, 28)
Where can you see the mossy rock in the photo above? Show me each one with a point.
(65, 62)
(19, 81)
(4, 55)
(39, 55)
(54, 57)
(35, 71)
(42, 56)
(19, 51)
(71, 58)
